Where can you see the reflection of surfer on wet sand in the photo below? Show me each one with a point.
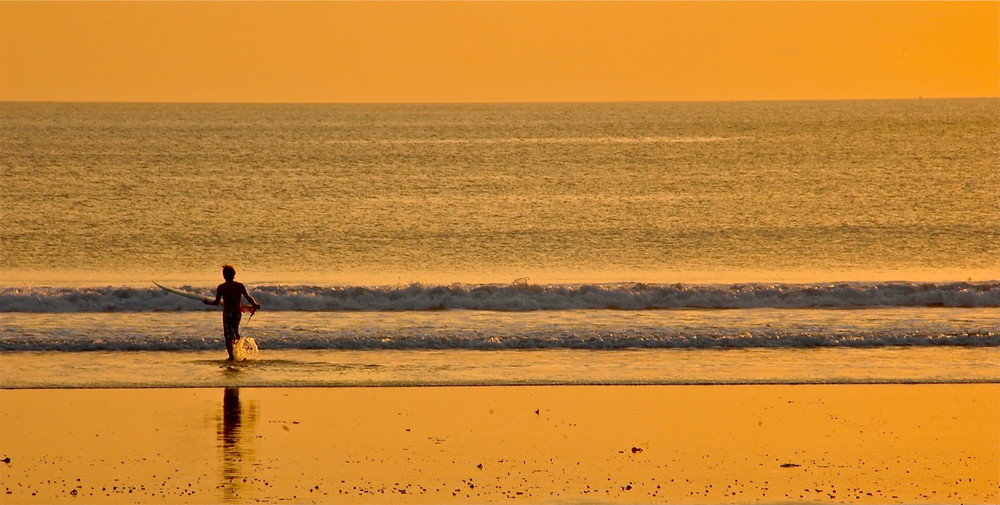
(231, 417)
(231, 294)
(234, 435)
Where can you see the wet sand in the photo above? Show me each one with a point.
(544, 444)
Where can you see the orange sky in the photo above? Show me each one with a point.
(495, 52)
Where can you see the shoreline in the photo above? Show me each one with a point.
(902, 443)
(542, 367)
(554, 384)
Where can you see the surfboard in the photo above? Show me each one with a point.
(185, 294)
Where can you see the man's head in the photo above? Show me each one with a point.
(228, 272)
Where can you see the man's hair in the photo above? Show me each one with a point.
(228, 272)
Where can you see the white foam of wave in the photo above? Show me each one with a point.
(546, 140)
(522, 297)
(563, 340)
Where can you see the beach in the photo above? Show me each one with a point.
(930, 443)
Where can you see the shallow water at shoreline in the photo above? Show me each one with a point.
(476, 348)
(382, 368)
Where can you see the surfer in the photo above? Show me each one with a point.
(231, 294)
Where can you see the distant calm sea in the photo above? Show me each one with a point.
(841, 241)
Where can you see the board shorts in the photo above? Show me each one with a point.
(231, 323)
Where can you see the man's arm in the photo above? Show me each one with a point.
(250, 298)
(218, 298)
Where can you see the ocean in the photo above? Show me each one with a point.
(498, 244)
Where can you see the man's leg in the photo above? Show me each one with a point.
(231, 330)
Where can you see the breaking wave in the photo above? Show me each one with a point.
(546, 140)
(521, 297)
(269, 339)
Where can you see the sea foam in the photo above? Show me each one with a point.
(584, 340)
(521, 297)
